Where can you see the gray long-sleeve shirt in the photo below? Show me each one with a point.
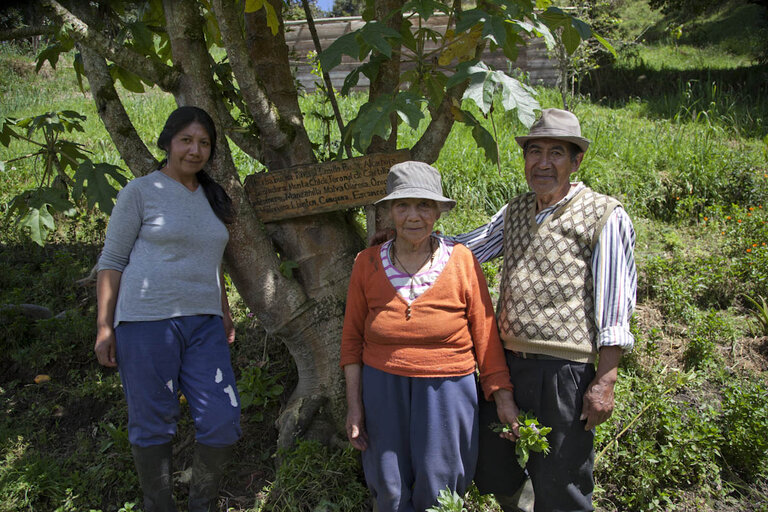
(168, 244)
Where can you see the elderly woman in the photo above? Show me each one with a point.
(163, 314)
(419, 319)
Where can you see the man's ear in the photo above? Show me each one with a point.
(577, 162)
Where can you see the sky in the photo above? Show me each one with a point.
(325, 5)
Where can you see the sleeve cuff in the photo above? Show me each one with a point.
(616, 336)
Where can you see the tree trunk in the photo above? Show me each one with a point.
(306, 311)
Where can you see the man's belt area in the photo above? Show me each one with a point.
(531, 355)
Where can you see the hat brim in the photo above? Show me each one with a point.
(445, 203)
(581, 142)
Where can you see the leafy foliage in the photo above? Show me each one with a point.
(65, 176)
(297, 488)
(257, 388)
(500, 25)
(533, 436)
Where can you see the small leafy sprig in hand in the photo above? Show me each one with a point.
(533, 436)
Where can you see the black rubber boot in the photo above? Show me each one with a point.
(207, 469)
(153, 464)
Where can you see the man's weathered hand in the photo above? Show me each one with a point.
(598, 404)
(598, 399)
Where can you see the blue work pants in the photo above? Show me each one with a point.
(189, 354)
(422, 438)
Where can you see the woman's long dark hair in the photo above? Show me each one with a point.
(220, 202)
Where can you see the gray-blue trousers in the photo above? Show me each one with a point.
(422, 438)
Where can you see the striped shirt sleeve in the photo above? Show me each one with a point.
(487, 241)
(615, 280)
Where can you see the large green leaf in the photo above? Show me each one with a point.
(495, 30)
(143, 39)
(483, 137)
(481, 89)
(571, 39)
(6, 131)
(71, 153)
(516, 95)
(376, 34)
(129, 80)
(408, 107)
(39, 222)
(426, 8)
(98, 191)
(608, 46)
(469, 19)
(345, 45)
(373, 120)
(33, 211)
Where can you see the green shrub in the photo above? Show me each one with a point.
(312, 477)
(744, 423)
(658, 443)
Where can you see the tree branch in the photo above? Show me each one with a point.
(112, 113)
(255, 97)
(148, 69)
(326, 77)
(268, 55)
(387, 80)
(427, 148)
(25, 32)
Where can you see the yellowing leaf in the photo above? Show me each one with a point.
(42, 378)
(253, 5)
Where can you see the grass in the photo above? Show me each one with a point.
(682, 148)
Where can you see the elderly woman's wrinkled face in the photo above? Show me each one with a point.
(414, 218)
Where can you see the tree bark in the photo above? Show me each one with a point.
(112, 113)
(388, 78)
(305, 312)
(147, 69)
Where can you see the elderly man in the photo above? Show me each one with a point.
(567, 293)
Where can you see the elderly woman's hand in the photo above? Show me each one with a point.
(356, 428)
(507, 410)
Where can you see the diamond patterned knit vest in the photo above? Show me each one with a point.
(546, 302)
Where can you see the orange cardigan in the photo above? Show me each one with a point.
(452, 324)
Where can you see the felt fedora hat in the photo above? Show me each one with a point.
(556, 124)
(418, 180)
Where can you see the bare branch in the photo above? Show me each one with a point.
(252, 90)
(150, 70)
(268, 55)
(25, 32)
(387, 80)
(132, 149)
(326, 77)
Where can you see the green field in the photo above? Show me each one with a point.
(679, 136)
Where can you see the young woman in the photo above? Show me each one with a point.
(163, 315)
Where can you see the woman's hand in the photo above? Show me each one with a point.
(507, 410)
(105, 347)
(355, 426)
(356, 433)
(229, 327)
(107, 287)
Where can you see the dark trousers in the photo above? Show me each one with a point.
(552, 389)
